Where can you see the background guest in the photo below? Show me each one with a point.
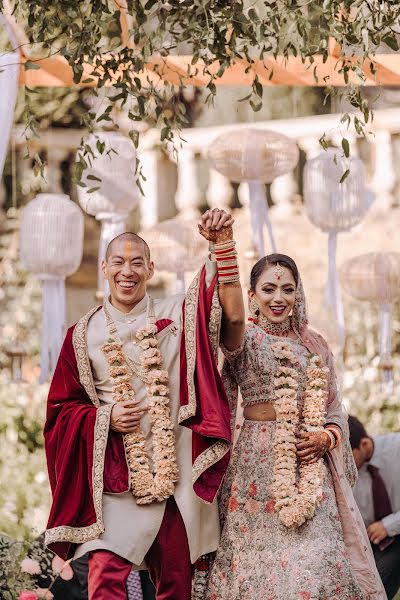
(377, 493)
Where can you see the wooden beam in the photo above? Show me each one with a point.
(55, 71)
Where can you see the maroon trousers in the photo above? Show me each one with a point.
(168, 561)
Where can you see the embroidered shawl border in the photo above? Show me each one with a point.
(79, 535)
(191, 304)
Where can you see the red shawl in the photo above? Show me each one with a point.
(85, 458)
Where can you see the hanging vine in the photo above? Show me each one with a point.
(216, 34)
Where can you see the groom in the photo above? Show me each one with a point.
(100, 505)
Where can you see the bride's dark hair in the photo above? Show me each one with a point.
(273, 259)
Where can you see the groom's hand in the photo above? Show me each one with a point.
(125, 416)
(216, 226)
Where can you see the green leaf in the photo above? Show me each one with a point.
(31, 66)
(93, 189)
(93, 178)
(346, 147)
(391, 41)
(344, 176)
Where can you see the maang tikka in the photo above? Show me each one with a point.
(278, 271)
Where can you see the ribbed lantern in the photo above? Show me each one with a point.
(257, 157)
(376, 277)
(335, 207)
(176, 247)
(9, 74)
(51, 246)
(115, 194)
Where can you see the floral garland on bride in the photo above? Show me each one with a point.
(296, 501)
(157, 483)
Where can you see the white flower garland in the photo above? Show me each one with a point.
(147, 484)
(297, 501)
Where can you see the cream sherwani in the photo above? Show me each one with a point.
(131, 529)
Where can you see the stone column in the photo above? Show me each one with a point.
(219, 191)
(283, 192)
(149, 200)
(188, 194)
(384, 176)
(55, 156)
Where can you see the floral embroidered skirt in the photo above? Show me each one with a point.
(258, 557)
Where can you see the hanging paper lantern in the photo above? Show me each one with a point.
(257, 157)
(376, 277)
(115, 195)
(335, 207)
(9, 75)
(51, 246)
(176, 247)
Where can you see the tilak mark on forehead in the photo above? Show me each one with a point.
(128, 245)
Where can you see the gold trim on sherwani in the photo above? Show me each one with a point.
(79, 535)
(216, 451)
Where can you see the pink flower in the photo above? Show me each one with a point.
(30, 566)
(253, 490)
(62, 568)
(232, 504)
(44, 593)
(252, 506)
(305, 595)
(27, 595)
(270, 506)
(284, 564)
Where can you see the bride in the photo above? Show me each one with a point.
(290, 527)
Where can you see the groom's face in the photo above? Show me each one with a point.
(127, 271)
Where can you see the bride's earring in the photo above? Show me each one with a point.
(254, 308)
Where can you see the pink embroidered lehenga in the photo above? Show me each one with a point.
(259, 558)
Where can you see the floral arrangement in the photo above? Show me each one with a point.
(297, 499)
(29, 571)
(147, 484)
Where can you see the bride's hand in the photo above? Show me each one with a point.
(312, 446)
(216, 226)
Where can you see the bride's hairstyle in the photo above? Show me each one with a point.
(273, 259)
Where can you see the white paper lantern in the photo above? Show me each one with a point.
(335, 207)
(117, 192)
(330, 205)
(376, 277)
(9, 75)
(51, 247)
(176, 247)
(254, 156)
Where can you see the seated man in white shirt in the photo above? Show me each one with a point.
(377, 493)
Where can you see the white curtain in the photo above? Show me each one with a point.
(9, 74)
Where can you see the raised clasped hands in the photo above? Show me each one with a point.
(125, 416)
(216, 226)
(312, 446)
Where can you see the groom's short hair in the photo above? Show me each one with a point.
(128, 236)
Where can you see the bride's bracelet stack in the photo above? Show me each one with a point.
(227, 264)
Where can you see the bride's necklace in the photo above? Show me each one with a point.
(278, 329)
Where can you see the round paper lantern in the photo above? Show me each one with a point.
(330, 205)
(255, 156)
(9, 75)
(51, 246)
(116, 194)
(335, 206)
(176, 247)
(375, 277)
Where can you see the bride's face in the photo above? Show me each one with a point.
(275, 293)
